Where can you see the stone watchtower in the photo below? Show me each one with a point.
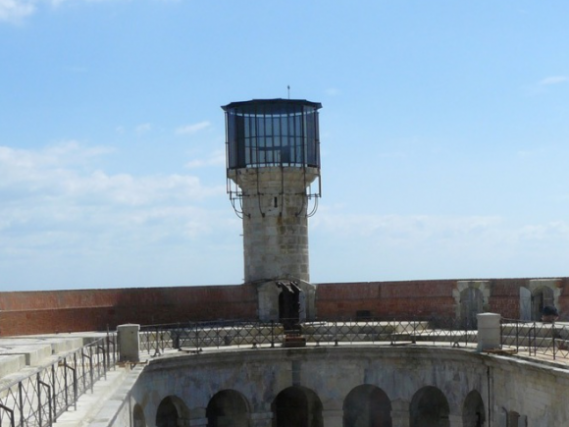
(273, 181)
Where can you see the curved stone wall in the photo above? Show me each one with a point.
(346, 386)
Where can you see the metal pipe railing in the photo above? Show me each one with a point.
(40, 397)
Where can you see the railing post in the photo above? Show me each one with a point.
(75, 385)
(272, 334)
(108, 349)
(517, 337)
(91, 366)
(535, 338)
(21, 402)
(43, 384)
(553, 331)
(83, 371)
(157, 342)
(53, 392)
(39, 399)
(414, 339)
(102, 348)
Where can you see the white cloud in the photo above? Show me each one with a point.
(46, 192)
(553, 80)
(15, 10)
(215, 159)
(406, 229)
(143, 128)
(193, 128)
(57, 208)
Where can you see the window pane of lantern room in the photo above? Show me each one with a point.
(231, 141)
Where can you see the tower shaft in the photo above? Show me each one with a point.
(275, 223)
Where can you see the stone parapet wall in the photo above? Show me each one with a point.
(505, 386)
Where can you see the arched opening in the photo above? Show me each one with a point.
(429, 408)
(473, 413)
(542, 297)
(471, 303)
(297, 407)
(170, 413)
(290, 305)
(513, 418)
(525, 304)
(228, 408)
(367, 406)
(138, 416)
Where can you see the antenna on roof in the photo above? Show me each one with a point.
(288, 87)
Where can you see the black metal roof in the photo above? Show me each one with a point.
(274, 103)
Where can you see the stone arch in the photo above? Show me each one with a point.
(473, 412)
(471, 303)
(138, 419)
(471, 297)
(429, 408)
(228, 408)
(543, 292)
(297, 406)
(367, 406)
(171, 412)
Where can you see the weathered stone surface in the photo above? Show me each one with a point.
(535, 391)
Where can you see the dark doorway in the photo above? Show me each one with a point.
(228, 408)
(367, 406)
(473, 413)
(289, 305)
(297, 407)
(429, 408)
(167, 414)
(541, 298)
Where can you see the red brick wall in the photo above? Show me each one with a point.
(387, 300)
(24, 313)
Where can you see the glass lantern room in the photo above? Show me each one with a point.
(272, 132)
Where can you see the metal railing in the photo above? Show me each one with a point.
(39, 397)
(195, 336)
(544, 339)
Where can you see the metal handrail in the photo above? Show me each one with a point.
(198, 335)
(45, 392)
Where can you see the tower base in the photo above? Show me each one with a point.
(285, 300)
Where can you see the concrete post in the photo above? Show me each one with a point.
(129, 343)
(488, 331)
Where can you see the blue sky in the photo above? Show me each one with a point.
(444, 137)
